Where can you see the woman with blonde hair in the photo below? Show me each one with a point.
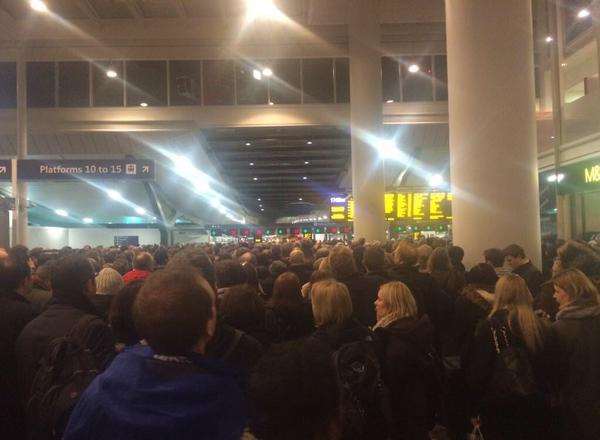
(512, 328)
(577, 358)
(407, 340)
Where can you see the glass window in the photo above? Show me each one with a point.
(417, 84)
(218, 82)
(342, 80)
(285, 82)
(8, 85)
(575, 25)
(186, 82)
(251, 90)
(441, 78)
(317, 80)
(107, 91)
(73, 84)
(40, 84)
(146, 82)
(390, 80)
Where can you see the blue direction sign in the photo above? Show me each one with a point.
(5, 169)
(71, 169)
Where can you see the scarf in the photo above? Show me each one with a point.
(387, 320)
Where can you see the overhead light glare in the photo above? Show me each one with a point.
(299, 199)
(143, 104)
(61, 212)
(271, 103)
(140, 211)
(583, 13)
(255, 178)
(248, 144)
(267, 72)
(549, 39)
(262, 10)
(436, 180)
(555, 177)
(251, 164)
(306, 162)
(309, 143)
(389, 101)
(88, 220)
(38, 5)
(387, 148)
(259, 199)
(414, 68)
(111, 73)
(304, 178)
(115, 195)
(262, 209)
(257, 74)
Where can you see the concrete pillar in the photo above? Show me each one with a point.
(564, 227)
(368, 186)
(20, 220)
(493, 157)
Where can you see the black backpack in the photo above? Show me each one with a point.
(64, 372)
(365, 404)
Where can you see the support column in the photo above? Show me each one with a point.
(368, 186)
(493, 153)
(19, 189)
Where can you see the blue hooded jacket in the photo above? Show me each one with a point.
(142, 397)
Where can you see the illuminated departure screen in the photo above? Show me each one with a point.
(350, 210)
(420, 208)
(390, 199)
(404, 205)
(436, 206)
(338, 213)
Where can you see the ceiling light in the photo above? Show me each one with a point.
(248, 144)
(88, 220)
(436, 180)
(260, 206)
(267, 72)
(309, 143)
(414, 68)
(259, 199)
(555, 177)
(299, 199)
(61, 212)
(304, 178)
(251, 164)
(583, 13)
(115, 195)
(306, 162)
(262, 209)
(271, 103)
(256, 74)
(551, 137)
(389, 101)
(255, 178)
(262, 10)
(140, 211)
(563, 64)
(111, 73)
(38, 5)
(549, 39)
(143, 104)
(387, 148)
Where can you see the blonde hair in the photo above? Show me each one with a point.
(399, 300)
(576, 285)
(109, 281)
(331, 302)
(341, 261)
(297, 257)
(405, 253)
(512, 294)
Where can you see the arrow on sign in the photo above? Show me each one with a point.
(2, 170)
(145, 169)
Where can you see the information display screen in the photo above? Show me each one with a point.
(390, 206)
(350, 209)
(70, 169)
(436, 206)
(420, 205)
(404, 206)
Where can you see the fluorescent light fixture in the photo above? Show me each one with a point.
(255, 178)
(306, 162)
(61, 212)
(256, 74)
(563, 64)
(140, 211)
(111, 73)
(38, 5)
(251, 164)
(299, 199)
(271, 103)
(304, 178)
(389, 101)
(88, 220)
(267, 72)
(260, 206)
(309, 143)
(115, 195)
(583, 13)
(436, 180)
(549, 39)
(143, 104)
(259, 199)
(414, 68)
(248, 144)
(555, 177)
(262, 209)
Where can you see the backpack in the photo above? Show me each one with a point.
(513, 373)
(64, 372)
(364, 399)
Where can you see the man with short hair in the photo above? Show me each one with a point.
(299, 266)
(168, 388)
(515, 257)
(495, 258)
(143, 265)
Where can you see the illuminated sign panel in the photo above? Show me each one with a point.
(350, 209)
(390, 205)
(420, 208)
(404, 206)
(436, 206)
(592, 174)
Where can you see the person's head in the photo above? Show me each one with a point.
(174, 312)
(374, 258)
(297, 257)
(121, 265)
(120, 316)
(395, 301)
(514, 255)
(161, 256)
(456, 254)
(405, 254)
(73, 276)
(242, 308)
(482, 275)
(248, 258)
(341, 261)
(109, 281)
(572, 286)
(304, 370)
(143, 261)
(575, 255)
(276, 268)
(331, 303)
(287, 290)
(494, 256)
(15, 273)
(229, 273)
(197, 259)
(439, 261)
(512, 294)
(42, 275)
(423, 253)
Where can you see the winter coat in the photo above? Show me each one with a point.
(470, 307)
(335, 335)
(302, 271)
(141, 396)
(406, 342)
(451, 281)
(363, 293)
(102, 304)
(532, 276)
(577, 334)
(286, 323)
(135, 275)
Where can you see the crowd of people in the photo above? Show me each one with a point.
(299, 341)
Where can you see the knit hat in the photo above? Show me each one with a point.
(109, 282)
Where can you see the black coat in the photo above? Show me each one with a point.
(286, 323)
(577, 336)
(470, 308)
(15, 313)
(302, 271)
(378, 277)
(532, 276)
(363, 293)
(333, 336)
(102, 304)
(405, 343)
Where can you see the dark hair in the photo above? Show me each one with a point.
(120, 316)
(494, 256)
(374, 258)
(172, 310)
(514, 250)
(161, 256)
(121, 265)
(321, 275)
(251, 276)
(286, 371)
(13, 271)
(196, 258)
(482, 274)
(70, 275)
(242, 308)
(456, 254)
(229, 273)
(143, 261)
(574, 255)
(439, 260)
(277, 267)
(287, 291)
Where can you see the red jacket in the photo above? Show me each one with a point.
(135, 274)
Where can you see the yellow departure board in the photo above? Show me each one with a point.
(338, 212)
(404, 205)
(390, 199)
(449, 199)
(436, 203)
(350, 209)
(420, 208)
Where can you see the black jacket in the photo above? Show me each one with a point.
(15, 313)
(333, 336)
(577, 335)
(378, 277)
(102, 304)
(302, 271)
(406, 343)
(532, 276)
(288, 323)
(470, 308)
(451, 281)
(363, 293)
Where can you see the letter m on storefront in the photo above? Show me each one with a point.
(592, 174)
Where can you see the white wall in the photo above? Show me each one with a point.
(55, 238)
